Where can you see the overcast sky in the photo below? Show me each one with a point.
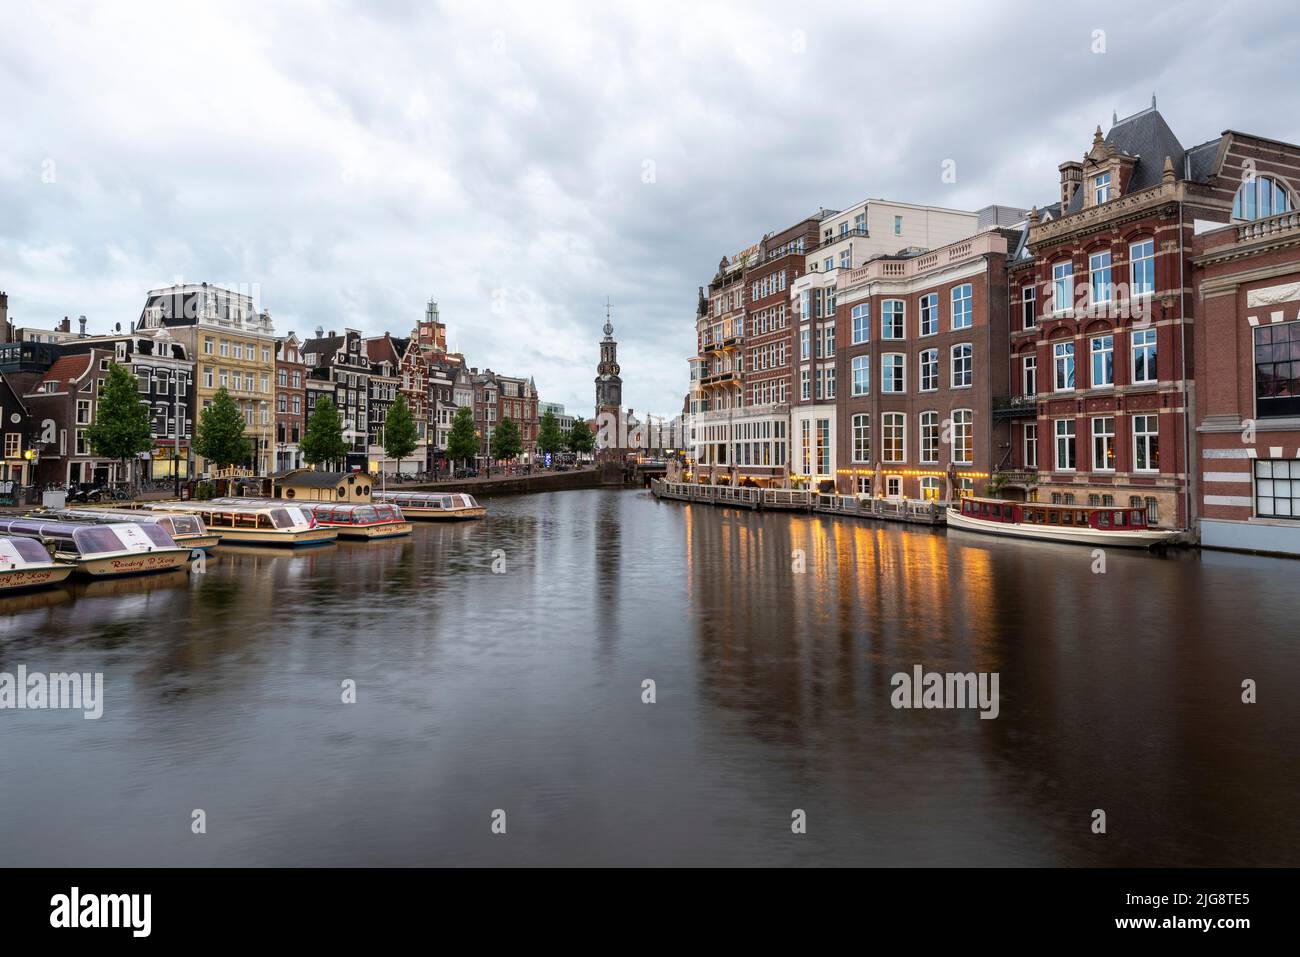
(520, 163)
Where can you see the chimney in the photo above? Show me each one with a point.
(6, 335)
(1071, 182)
(65, 325)
(81, 320)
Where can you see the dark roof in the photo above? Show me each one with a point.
(383, 349)
(1147, 137)
(310, 478)
(1200, 160)
(325, 345)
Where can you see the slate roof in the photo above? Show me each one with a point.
(1146, 136)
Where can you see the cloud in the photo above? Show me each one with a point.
(352, 160)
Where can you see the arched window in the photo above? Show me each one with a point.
(1260, 197)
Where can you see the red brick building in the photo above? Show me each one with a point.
(921, 352)
(1247, 289)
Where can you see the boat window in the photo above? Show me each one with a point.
(366, 514)
(19, 551)
(96, 540)
(1103, 519)
(1054, 518)
(1121, 519)
(1138, 517)
(1067, 518)
(157, 535)
(280, 518)
(1080, 518)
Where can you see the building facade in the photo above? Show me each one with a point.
(1247, 288)
(340, 361)
(164, 374)
(290, 403)
(920, 352)
(233, 348)
(1103, 336)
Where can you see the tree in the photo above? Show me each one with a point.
(549, 437)
(400, 433)
(323, 441)
(122, 428)
(580, 439)
(462, 441)
(506, 444)
(220, 437)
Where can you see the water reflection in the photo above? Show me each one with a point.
(523, 690)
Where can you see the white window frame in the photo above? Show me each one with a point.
(901, 368)
(963, 296)
(968, 359)
(1100, 463)
(1071, 434)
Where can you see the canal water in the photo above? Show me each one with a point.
(520, 690)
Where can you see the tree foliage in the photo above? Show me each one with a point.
(400, 433)
(580, 439)
(323, 441)
(122, 428)
(549, 437)
(462, 442)
(220, 436)
(506, 444)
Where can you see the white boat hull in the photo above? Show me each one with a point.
(1129, 538)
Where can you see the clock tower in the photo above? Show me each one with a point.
(609, 387)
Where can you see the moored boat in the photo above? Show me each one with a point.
(349, 519)
(265, 523)
(433, 506)
(186, 529)
(122, 548)
(25, 563)
(1076, 524)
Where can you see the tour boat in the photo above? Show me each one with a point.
(349, 519)
(433, 506)
(24, 563)
(287, 526)
(122, 548)
(185, 529)
(1090, 525)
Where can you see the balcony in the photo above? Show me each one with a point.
(840, 237)
(721, 378)
(1015, 406)
(1016, 476)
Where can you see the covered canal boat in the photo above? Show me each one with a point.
(122, 548)
(349, 519)
(433, 506)
(1090, 525)
(186, 529)
(265, 523)
(24, 563)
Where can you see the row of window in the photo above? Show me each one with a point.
(893, 371)
(1145, 430)
(893, 315)
(769, 285)
(235, 349)
(236, 380)
(958, 430)
(1101, 286)
(1101, 363)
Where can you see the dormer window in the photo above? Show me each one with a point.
(1100, 189)
(1260, 197)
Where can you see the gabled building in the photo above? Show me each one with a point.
(290, 403)
(18, 437)
(66, 398)
(340, 361)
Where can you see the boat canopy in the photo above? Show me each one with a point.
(21, 552)
(225, 513)
(90, 540)
(175, 524)
(333, 513)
